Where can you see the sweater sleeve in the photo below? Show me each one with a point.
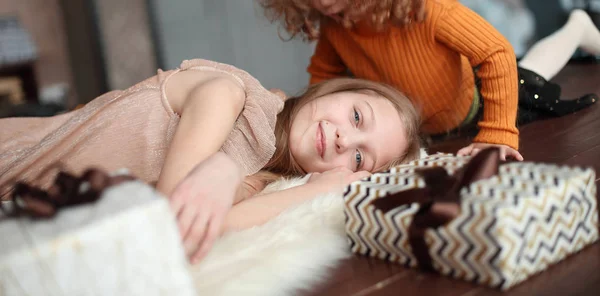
(325, 62)
(464, 31)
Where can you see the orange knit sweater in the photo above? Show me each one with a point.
(432, 62)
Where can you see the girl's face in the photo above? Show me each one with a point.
(358, 131)
(330, 7)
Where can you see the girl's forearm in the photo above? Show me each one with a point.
(262, 208)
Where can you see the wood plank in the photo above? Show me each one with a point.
(357, 274)
(576, 275)
(418, 283)
(589, 158)
(558, 145)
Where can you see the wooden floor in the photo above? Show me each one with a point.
(570, 140)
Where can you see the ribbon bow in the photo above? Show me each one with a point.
(67, 190)
(439, 200)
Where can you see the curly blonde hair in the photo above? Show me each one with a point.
(300, 18)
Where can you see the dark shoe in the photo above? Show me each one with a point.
(564, 107)
(537, 94)
(526, 115)
(535, 91)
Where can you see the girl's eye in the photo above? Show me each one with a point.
(356, 117)
(358, 158)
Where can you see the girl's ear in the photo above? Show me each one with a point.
(279, 93)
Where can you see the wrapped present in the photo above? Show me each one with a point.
(94, 235)
(473, 219)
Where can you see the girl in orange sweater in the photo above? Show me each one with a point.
(429, 50)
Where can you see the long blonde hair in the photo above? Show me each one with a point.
(282, 163)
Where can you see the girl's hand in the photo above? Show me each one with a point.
(201, 201)
(505, 151)
(336, 179)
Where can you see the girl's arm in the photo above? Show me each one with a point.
(262, 208)
(462, 30)
(209, 104)
(200, 182)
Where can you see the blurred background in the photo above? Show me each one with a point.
(56, 55)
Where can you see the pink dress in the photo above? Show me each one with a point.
(130, 129)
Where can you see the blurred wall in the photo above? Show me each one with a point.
(233, 32)
(126, 41)
(43, 19)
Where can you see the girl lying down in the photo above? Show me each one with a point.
(211, 137)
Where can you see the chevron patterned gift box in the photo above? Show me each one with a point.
(472, 218)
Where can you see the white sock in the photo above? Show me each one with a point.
(590, 41)
(549, 55)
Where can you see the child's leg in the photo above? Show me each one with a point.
(549, 55)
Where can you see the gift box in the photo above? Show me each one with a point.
(124, 243)
(473, 218)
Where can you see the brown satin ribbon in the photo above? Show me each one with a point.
(67, 190)
(439, 200)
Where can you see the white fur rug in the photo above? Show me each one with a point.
(290, 252)
(293, 251)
